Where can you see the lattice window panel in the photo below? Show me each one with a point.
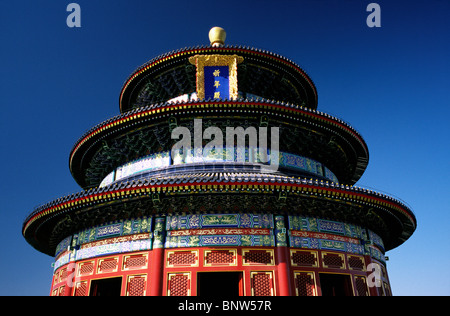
(136, 285)
(301, 258)
(62, 274)
(86, 268)
(305, 284)
(81, 289)
(386, 289)
(61, 290)
(108, 265)
(182, 259)
(356, 263)
(383, 271)
(227, 257)
(361, 286)
(333, 260)
(138, 261)
(179, 284)
(258, 257)
(262, 283)
(55, 278)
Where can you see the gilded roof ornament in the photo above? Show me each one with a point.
(217, 36)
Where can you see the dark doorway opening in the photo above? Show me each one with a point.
(217, 284)
(106, 287)
(335, 284)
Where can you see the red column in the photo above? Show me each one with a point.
(284, 281)
(371, 277)
(157, 263)
(282, 254)
(156, 272)
(70, 281)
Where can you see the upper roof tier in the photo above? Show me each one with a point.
(261, 73)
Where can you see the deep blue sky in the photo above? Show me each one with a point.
(392, 84)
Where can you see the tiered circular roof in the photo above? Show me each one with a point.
(287, 98)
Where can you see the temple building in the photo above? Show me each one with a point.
(220, 177)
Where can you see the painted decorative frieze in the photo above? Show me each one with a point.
(206, 230)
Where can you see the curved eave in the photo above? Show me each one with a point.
(399, 219)
(130, 120)
(141, 72)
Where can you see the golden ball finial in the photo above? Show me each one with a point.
(217, 36)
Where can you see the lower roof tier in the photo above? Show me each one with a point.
(49, 224)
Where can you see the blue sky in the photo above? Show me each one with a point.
(390, 83)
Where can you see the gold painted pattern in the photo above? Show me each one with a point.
(200, 61)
